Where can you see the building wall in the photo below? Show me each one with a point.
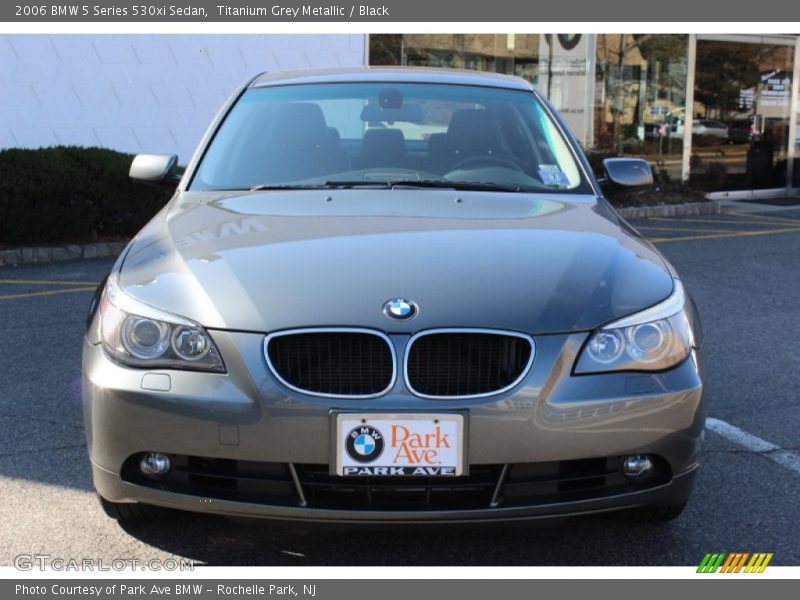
(140, 93)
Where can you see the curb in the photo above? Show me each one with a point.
(690, 209)
(46, 254)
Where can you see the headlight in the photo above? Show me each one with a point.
(653, 340)
(139, 335)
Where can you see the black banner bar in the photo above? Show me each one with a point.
(402, 11)
(730, 587)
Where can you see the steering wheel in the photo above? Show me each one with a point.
(487, 160)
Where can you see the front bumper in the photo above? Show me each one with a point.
(110, 486)
(246, 415)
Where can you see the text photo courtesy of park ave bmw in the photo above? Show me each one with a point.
(300, 285)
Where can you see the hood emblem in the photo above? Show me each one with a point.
(399, 309)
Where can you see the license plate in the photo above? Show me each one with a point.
(392, 445)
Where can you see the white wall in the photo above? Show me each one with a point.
(140, 93)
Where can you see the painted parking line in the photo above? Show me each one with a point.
(46, 282)
(754, 443)
(733, 234)
(682, 229)
(724, 221)
(764, 218)
(70, 290)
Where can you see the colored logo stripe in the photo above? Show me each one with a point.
(734, 562)
(710, 563)
(758, 563)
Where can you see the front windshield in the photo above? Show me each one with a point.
(365, 134)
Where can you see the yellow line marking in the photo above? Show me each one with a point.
(764, 218)
(684, 229)
(679, 220)
(713, 236)
(45, 282)
(47, 293)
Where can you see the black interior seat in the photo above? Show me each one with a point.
(472, 132)
(383, 147)
(438, 155)
(301, 145)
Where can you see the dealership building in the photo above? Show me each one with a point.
(720, 111)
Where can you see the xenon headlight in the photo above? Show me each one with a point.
(139, 335)
(652, 340)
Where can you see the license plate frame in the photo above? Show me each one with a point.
(422, 423)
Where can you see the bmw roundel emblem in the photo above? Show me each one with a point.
(364, 443)
(399, 309)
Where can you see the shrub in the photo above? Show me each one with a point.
(71, 194)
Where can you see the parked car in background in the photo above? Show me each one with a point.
(706, 128)
(396, 296)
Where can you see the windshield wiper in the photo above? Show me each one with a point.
(392, 183)
(455, 185)
(285, 186)
(333, 184)
(428, 183)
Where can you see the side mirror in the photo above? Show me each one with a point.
(628, 172)
(154, 168)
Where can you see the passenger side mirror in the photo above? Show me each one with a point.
(155, 168)
(627, 172)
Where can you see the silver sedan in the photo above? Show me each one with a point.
(391, 295)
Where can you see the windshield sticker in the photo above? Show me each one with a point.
(552, 175)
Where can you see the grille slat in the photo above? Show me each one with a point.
(341, 363)
(457, 364)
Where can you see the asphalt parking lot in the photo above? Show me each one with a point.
(744, 272)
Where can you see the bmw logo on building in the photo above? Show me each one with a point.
(399, 309)
(364, 443)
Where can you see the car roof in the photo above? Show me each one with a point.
(391, 75)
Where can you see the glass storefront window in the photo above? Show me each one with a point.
(742, 108)
(640, 97)
(796, 171)
(625, 94)
(616, 92)
(558, 65)
(500, 53)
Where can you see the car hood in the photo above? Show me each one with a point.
(264, 261)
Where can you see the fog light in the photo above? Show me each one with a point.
(154, 465)
(637, 466)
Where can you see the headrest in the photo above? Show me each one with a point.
(301, 124)
(473, 131)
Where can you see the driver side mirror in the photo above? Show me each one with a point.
(627, 172)
(155, 168)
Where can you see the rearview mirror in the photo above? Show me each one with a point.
(154, 168)
(408, 113)
(628, 172)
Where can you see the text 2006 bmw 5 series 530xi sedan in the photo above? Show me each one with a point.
(391, 295)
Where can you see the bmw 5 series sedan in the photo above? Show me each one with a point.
(391, 295)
